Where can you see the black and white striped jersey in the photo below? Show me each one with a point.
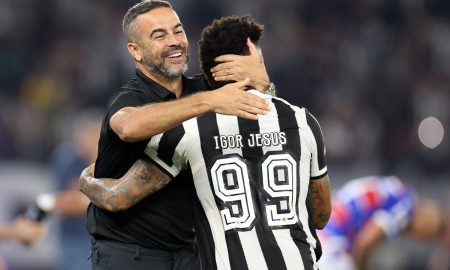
(252, 180)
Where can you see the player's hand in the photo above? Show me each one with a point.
(232, 99)
(238, 67)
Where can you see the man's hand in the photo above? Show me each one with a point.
(232, 99)
(238, 67)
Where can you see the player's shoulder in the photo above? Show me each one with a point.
(283, 102)
(312, 121)
(305, 117)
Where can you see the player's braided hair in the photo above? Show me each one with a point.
(128, 22)
(227, 35)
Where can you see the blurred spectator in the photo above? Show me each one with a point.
(370, 210)
(26, 231)
(69, 159)
(69, 204)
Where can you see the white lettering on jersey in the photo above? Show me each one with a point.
(255, 140)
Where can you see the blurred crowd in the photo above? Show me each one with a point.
(370, 70)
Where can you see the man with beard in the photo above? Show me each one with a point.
(158, 231)
(262, 186)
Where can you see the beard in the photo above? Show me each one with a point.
(157, 65)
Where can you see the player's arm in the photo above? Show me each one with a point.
(238, 67)
(365, 241)
(142, 179)
(320, 183)
(139, 123)
(321, 202)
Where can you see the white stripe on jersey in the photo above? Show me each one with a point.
(305, 173)
(205, 194)
(291, 253)
(151, 151)
(228, 125)
(314, 170)
(253, 253)
(269, 123)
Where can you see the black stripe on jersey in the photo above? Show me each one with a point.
(235, 251)
(319, 176)
(166, 148)
(317, 132)
(304, 248)
(271, 250)
(203, 235)
(207, 126)
(288, 123)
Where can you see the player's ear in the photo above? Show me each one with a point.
(133, 48)
(255, 49)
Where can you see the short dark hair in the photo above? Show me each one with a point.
(227, 35)
(136, 10)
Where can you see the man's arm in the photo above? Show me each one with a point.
(321, 202)
(137, 123)
(141, 180)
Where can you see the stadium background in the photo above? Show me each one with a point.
(376, 73)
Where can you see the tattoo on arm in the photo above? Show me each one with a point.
(141, 180)
(321, 205)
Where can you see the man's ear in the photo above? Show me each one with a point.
(133, 48)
